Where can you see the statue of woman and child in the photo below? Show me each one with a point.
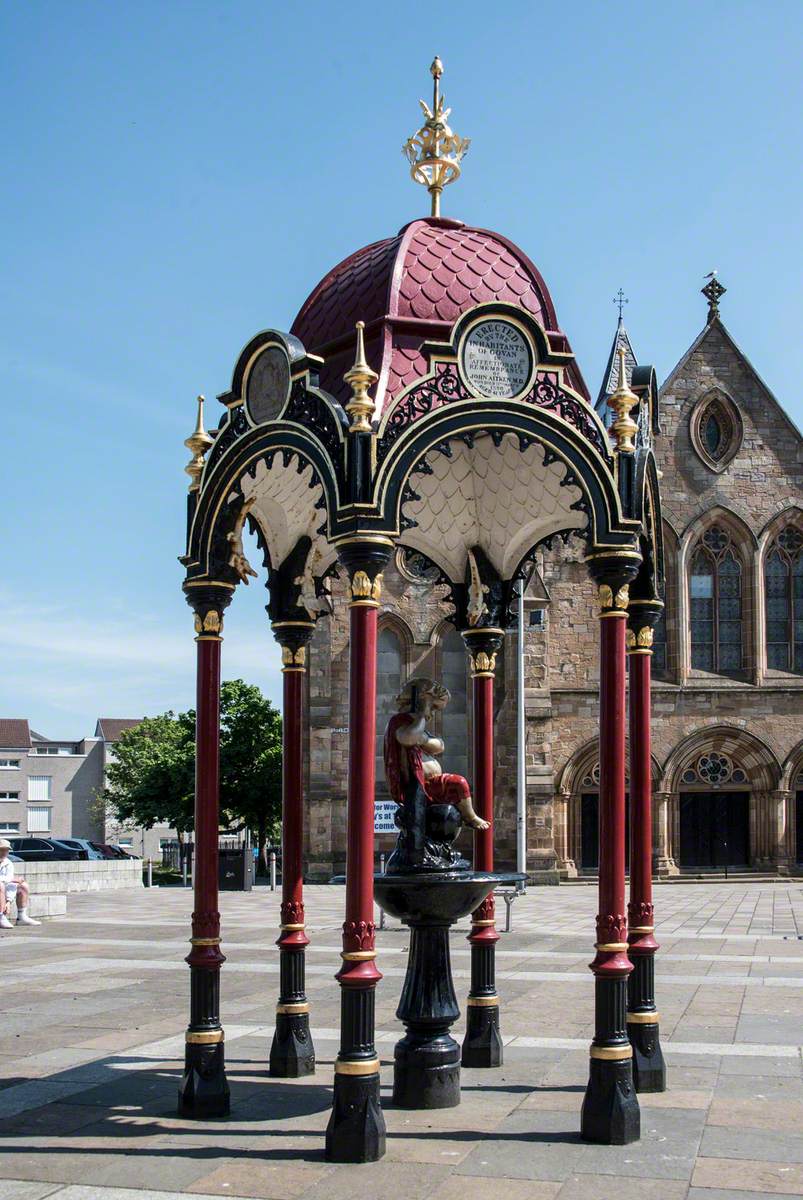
(432, 803)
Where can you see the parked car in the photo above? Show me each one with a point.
(36, 849)
(83, 844)
(105, 850)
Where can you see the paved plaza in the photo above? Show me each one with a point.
(95, 1004)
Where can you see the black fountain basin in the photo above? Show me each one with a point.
(432, 898)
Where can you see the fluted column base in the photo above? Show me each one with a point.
(292, 1053)
(649, 1068)
(611, 1115)
(204, 1090)
(356, 1129)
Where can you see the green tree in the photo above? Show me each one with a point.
(152, 777)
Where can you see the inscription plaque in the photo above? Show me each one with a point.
(268, 385)
(497, 359)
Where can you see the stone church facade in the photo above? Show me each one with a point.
(727, 665)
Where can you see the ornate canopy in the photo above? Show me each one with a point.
(427, 397)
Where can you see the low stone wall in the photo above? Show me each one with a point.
(60, 878)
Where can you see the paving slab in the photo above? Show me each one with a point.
(89, 1074)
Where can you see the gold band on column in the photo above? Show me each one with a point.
(611, 1053)
(206, 1037)
(344, 1067)
(648, 1018)
(482, 1002)
(301, 1007)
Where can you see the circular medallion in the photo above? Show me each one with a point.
(268, 385)
(415, 566)
(497, 359)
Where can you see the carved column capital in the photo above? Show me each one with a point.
(483, 646)
(208, 600)
(642, 617)
(293, 637)
(365, 557)
(613, 571)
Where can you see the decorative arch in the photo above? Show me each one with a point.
(395, 623)
(716, 429)
(747, 752)
(578, 777)
(792, 772)
(721, 782)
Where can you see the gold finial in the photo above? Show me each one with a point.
(359, 378)
(434, 152)
(621, 401)
(197, 443)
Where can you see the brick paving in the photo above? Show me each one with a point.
(95, 1005)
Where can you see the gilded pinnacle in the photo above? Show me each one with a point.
(359, 378)
(621, 401)
(197, 443)
(434, 151)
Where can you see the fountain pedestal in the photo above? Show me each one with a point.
(426, 1070)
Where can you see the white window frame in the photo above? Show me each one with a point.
(33, 799)
(9, 797)
(9, 827)
(40, 808)
(9, 764)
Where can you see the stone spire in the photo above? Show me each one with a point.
(610, 380)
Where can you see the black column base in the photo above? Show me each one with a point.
(356, 1129)
(204, 1090)
(482, 1045)
(292, 1053)
(611, 1114)
(649, 1068)
(426, 1071)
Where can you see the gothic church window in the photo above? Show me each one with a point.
(389, 672)
(716, 430)
(659, 653)
(783, 581)
(715, 588)
(454, 674)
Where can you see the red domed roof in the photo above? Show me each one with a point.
(410, 289)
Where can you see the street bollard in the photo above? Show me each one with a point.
(184, 871)
(150, 872)
(273, 870)
(382, 872)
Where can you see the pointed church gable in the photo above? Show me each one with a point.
(759, 460)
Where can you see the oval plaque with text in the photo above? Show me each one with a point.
(497, 359)
(268, 385)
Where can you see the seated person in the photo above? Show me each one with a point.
(411, 750)
(12, 889)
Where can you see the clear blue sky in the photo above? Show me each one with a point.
(178, 176)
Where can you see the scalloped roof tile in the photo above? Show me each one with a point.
(428, 274)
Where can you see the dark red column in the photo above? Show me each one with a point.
(204, 1090)
(482, 1046)
(610, 1108)
(356, 1130)
(292, 1053)
(649, 1070)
